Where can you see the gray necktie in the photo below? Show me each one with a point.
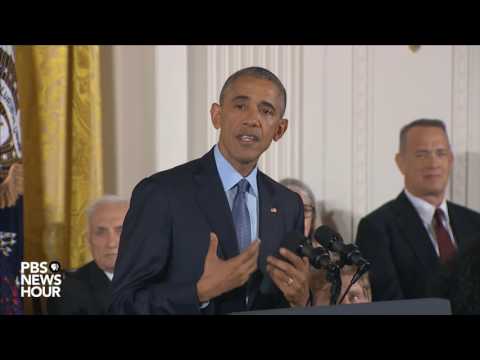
(241, 217)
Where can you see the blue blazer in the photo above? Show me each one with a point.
(165, 239)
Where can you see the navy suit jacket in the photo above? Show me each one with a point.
(165, 239)
(404, 262)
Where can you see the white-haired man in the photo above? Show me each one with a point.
(87, 290)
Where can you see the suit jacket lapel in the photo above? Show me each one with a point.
(270, 224)
(101, 285)
(414, 231)
(98, 278)
(270, 231)
(462, 230)
(213, 202)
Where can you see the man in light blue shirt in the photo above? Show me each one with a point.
(191, 238)
(230, 177)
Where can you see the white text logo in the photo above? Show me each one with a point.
(40, 279)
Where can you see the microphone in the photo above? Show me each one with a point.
(349, 254)
(329, 239)
(297, 243)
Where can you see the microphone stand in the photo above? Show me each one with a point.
(353, 281)
(360, 271)
(333, 276)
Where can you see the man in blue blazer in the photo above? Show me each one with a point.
(199, 238)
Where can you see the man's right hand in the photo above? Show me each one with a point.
(220, 276)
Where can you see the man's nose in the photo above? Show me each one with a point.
(433, 160)
(252, 118)
(113, 239)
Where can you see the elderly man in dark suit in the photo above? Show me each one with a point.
(87, 291)
(199, 238)
(410, 240)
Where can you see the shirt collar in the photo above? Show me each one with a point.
(230, 177)
(425, 209)
(109, 275)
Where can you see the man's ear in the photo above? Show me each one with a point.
(281, 128)
(215, 115)
(400, 162)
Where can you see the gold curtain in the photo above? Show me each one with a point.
(59, 93)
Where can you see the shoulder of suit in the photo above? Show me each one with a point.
(280, 189)
(382, 212)
(86, 277)
(76, 281)
(175, 172)
(460, 209)
(267, 179)
(82, 273)
(172, 177)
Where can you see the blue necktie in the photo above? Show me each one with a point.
(241, 217)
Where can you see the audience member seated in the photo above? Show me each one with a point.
(360, 292)
(309, 205)
(87, 290)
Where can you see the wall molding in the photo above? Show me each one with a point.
(459, 123)
(360, 108)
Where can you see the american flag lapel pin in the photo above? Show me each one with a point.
(273, 210)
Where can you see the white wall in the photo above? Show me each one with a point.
(346, 105)
(129, 116)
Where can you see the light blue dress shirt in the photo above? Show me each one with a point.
(230, 177)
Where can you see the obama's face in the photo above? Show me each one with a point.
(249, 119)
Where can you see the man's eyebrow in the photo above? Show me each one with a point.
(240, 97)
(262, 103)
(266, 103)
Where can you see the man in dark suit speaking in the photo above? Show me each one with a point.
(411, 239)
(198, 238)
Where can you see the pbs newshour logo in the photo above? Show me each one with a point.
(40, 279)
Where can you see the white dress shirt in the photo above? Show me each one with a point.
(426, 211)
(109, 275)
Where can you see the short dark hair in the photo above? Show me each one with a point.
(259, 73)
(420, 123)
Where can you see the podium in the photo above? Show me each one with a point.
(427, 306)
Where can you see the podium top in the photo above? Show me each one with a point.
(427, 306)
